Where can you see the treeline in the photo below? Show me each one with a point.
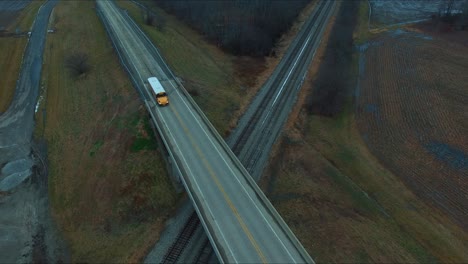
(454, 13)
(242, 27)
(331, 89)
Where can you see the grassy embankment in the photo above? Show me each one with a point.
(340, 201)
(11, 52)
(109, 190)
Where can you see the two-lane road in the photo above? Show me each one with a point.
(242, 226)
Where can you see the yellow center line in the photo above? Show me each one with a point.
(220, 187)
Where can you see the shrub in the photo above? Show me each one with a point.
(77, 63)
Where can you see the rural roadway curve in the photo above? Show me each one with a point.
(25, 225)
(17, 123)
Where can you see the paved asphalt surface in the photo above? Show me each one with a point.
(24, 209)
(17, 123)
(280, 92)
(243, 228)
(259, 131)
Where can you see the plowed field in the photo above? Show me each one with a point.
(412, 111)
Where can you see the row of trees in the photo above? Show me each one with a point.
(454, 12)
(242, 27)
(447, 7)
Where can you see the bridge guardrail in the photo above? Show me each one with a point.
(156, 120)
(275, 215)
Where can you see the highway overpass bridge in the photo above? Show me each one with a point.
(240, 222)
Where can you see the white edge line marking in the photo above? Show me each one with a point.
(175, 142)
(292, 68)
(201, 194)
(243, 187)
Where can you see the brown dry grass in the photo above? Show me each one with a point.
(333, 218)
(110, 193)
(11, 53)
(414, 95)
(313, 69)
(343, 204)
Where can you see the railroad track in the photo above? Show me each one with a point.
(252, 152)
(193, 224)
(271, 119)
(176, 249)
(240, 141)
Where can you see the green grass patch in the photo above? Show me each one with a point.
(96, 147)
(143, 144)
(363, 257)
(359, 198)
(144, 135)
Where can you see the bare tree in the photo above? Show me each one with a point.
(446, 7)
(243, 27)
(148, 17)
(153, 19)
(454, 14)
(78, 64)
(160, 22)
(330, 93)
(464, 9)
(460, 19)
(449, 7)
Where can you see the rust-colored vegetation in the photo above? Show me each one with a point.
(413, 112)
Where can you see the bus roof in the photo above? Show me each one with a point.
(156, 85)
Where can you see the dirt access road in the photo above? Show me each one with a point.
(26, 233)
(17, 123)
